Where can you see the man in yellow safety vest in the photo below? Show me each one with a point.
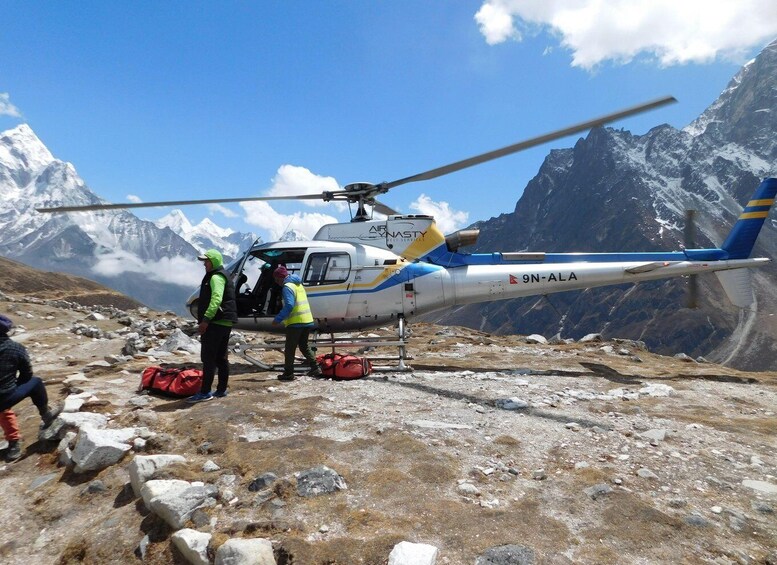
(298, 319)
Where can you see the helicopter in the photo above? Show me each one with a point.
(371, 272)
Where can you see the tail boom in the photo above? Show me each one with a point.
(476, 283)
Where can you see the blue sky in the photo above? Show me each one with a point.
(173, 100)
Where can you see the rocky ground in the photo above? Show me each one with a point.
(596, 452)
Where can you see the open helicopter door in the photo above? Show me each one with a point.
(237, 274)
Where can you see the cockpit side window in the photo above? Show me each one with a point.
(290, 258)
(327, 268)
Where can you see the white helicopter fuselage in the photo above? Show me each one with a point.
(369, 274)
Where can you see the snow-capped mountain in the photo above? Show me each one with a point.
(614, 191)
(207, 235)
(293, 235)
(113, 247)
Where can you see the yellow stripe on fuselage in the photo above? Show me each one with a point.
(384, 274)
(765, 202)
(753, 215)
(423, 245)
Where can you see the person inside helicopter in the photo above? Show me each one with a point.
(263, 286)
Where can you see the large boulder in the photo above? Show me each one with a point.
(97, 449)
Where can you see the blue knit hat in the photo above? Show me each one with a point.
(5, 324)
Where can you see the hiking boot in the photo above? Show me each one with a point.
(286, 377)
(315, 372)
(200, 397)
(49, 416)
(220, 394)
(14, 451)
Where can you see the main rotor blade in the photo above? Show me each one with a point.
(383, 209)
(93, 207)
(478, 159)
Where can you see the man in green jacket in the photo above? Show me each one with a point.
(216, 313)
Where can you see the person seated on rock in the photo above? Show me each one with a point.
(12, 435)
(15, 388)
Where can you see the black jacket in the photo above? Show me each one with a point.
(228, 309)
(13, 359)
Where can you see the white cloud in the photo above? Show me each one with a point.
(496, 23)
(134, 198)
(291, 180)
(448, 220)
(183, 271)
(261, 214)
(670, 31)
(6, 108)
(223, 210)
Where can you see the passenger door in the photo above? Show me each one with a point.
(327, 277)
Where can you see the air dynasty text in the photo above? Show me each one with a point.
(403, 234)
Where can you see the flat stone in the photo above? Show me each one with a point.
(654, 435)
(598, 491)
(536, 339)
(319, 480)
(262, 482)
(245, 551)
(100, 448)
(158, 487)
(468, 488)
(646, 473)
(507, 555)
(513, 403)
(42, 480)
(760, 486)
(193, 545)
(407, 553)
(210, 467)
(176, 508)
(68, 420)
(143, 467)
(431, 424)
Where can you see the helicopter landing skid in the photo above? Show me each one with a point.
(334, 343)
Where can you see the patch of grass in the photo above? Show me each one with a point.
(433, 472)
(507, 441)
(337, 551)
(75, 552)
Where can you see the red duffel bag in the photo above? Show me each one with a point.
(344, 366)
(171, 381)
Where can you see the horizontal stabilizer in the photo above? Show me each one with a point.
(738, 286)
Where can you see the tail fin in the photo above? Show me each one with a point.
(739, 243)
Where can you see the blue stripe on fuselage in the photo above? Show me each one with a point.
(449, 259)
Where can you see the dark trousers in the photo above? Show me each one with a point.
(214, 355)
(297, 336)
(34, 388)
